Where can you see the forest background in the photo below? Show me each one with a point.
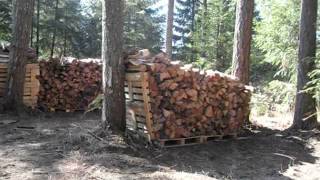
(203, 36)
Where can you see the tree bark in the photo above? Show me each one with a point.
(32, 24)
(55, 29)
(113, 111)
(193, 15)
(38, 28)
(169, 34)
(242, 40)
(65, 32)
(204, 28)
(23, 10)
(305, 108)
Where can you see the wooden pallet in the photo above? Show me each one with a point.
(166, 143)
(139, 116)
(31, 86)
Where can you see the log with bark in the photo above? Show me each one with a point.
(71, 86)
(187, 102)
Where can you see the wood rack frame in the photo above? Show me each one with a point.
(31, 86)
(139, 116)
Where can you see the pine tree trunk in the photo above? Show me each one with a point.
(242, 40)
(32, 24)
(193, 15)
(113, 111)
(55, 29)
(305, 108)
(218, 60)
(38, 27)
(65, 32)
(23, 10)
(204, 28)
(169, 28)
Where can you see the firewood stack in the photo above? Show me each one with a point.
(69, 87)
(187, 102)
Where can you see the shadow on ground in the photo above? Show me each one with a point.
(62, 146)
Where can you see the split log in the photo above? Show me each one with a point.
(70, 86)
(188, 102)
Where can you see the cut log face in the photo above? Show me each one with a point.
(187, 102)
(69, 86)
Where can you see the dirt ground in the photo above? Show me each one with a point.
(67, 146)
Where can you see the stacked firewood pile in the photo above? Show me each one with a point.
(68, 86)
(187, 102)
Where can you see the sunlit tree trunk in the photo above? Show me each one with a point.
(242, 40)
(169, 28)
(55, 29)
(113, 111)
(305, 108)
(38, 27)
(22, 14)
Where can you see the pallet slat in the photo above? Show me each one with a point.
(134, 90)
(133, 77)
(167, 143)
(31, 86)
(140, 121)
(134, 84)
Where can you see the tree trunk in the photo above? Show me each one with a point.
(113, 111)
(204, 28)
(38, 27)
(242, 40)
(65, 32)
(218, 60)
(23, 10)
(55, 29)
(305, 108)
(193, 15)
(32, 24)
(169, 28)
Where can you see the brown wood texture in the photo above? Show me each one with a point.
(185, 102)
(169, 32)
(68, 87)
(31, 84)
(22, 25)
(242, 40)
(113, 110)
(305, 115)
(139, 117)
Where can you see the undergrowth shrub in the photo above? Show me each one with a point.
(276, 96)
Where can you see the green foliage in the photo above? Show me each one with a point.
(276, 96)
(214, 33)
(203, 64)
(184, 28)
(277, 35)
(96, 104)
(78, 26)
(143, 25)
(5, 20)
(313, 86)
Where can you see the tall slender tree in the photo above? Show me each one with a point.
(113, 111)
(22, 19)
(305, 108)
(32, 24)
(184, 27)
(38, 27)
(242, 40)
(54, 29)
(169, 28)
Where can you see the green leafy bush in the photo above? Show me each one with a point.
(276, 96)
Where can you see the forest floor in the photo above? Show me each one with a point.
(61, 146)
